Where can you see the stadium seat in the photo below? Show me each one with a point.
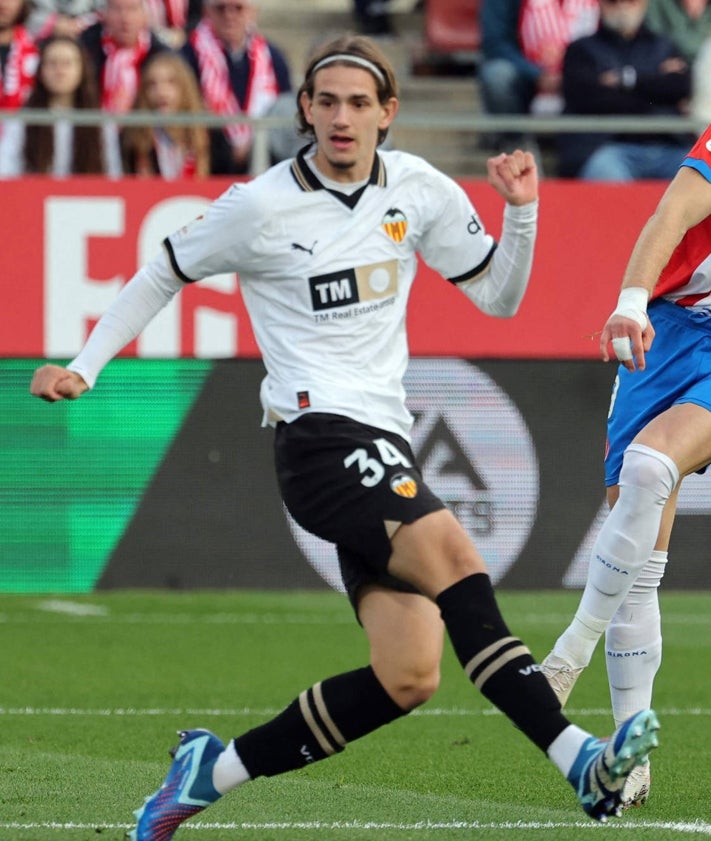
(452, 28)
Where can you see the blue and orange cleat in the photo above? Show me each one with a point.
(187, 789)
(602, 766)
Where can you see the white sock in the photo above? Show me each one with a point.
(565, 748)
(633, 643)
(623, 545)
(229, 771)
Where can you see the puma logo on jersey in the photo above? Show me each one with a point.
(296, 246)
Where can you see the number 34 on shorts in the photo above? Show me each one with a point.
(372, 470)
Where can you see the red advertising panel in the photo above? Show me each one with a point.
(69, 246)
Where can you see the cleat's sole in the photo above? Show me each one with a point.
(600, 780)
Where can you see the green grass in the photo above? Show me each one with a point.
(89, 705)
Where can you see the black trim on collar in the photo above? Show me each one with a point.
(308, 181)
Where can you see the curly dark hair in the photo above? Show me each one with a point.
(360, 47)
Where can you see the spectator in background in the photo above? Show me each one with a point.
(372, 17)
(624, 69)
(523, 43)
(172, 19)
(686, 22)
(118, 46)
(701, 83)
(65, 79)
(18, 54)
(167, 87)
(62, 17)
(239, 72)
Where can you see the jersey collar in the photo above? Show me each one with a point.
(308, 181)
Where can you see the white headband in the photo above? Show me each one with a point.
(354, 59)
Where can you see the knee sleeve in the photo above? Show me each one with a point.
(627, 537)
(646, 469)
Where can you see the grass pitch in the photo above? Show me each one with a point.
(93, 688)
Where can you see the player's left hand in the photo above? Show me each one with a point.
(514, 176)
(632, 338)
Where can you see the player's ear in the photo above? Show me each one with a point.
(305, 103)
(389, 111)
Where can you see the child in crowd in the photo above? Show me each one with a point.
(167, 86)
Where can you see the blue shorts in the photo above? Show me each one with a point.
(678, 371)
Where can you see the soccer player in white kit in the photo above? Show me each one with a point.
(659, 430)
(325, 246)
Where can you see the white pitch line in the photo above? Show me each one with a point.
(683, 827)
(95, 615)
(59, 610)
(70, 608)
(130, 712)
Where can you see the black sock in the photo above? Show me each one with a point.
(498, 664)
(318, 724)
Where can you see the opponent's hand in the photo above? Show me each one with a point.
(52, 383)
(628, 340)
(514, 176)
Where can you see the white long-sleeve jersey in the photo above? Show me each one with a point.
(326, 278)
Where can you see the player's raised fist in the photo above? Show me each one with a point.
(514, 176)
(52, 383)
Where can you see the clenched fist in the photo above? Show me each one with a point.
(52, 383)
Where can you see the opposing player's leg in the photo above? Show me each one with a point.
(633, 649)
(436, 555)
(659, 430)
(633, 637)
(676, 443)
(623, 546)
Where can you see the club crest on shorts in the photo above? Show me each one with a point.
(395, 224)
(403, 485)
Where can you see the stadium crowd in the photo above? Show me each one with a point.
(611, 57)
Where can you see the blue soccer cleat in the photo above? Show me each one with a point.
(602, 766)
(187, 789)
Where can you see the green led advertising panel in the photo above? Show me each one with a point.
(73, 473)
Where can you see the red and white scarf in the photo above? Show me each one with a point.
(546, 27)
(121, 72)
(20, 69)
(262, 89)
(173, 161)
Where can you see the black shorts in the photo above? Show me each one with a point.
(342, 481)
